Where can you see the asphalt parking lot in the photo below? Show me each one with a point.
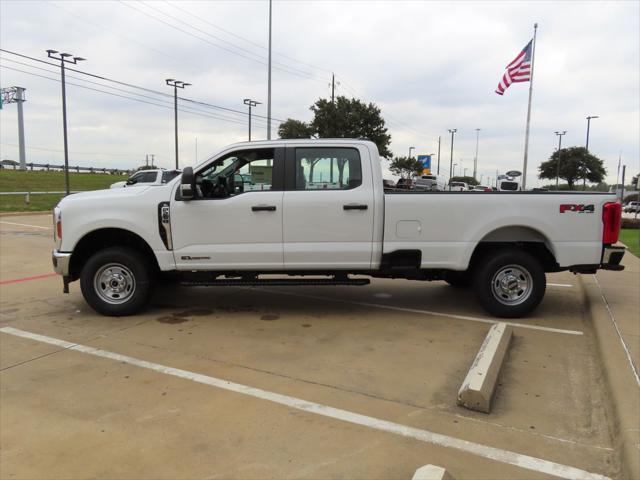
(288, 382)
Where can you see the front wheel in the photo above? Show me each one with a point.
(116, 281)
(509, 283)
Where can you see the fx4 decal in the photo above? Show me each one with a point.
(567, 207)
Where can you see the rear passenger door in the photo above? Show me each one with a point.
(328, 208)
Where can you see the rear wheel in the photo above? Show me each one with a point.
(509, 283)
(116, 281)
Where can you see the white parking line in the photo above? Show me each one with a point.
(427, 312)
(485, 451)
(25, 225)
(559, 285)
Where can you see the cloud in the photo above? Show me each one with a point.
(430, 66)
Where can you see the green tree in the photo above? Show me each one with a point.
(294, 129)
(406, 167)
(467, 180)
(351, 118)
(576, 163)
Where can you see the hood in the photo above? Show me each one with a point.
(107, 194)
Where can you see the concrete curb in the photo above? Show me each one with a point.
(431, 472)
(623, 388)
(480, 383)
(24, 214)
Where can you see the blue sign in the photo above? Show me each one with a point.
(426, 163)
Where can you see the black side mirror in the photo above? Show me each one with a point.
(187, 184)
(131, 181)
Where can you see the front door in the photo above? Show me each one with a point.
(235, 221)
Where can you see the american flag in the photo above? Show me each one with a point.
(517, 71)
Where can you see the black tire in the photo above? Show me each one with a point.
(116, 281)
(458, 279)
(509, 283)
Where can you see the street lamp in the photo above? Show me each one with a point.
(411, 148)
(64, 58)
(250, 103)
(559, 134)
(176, 84)
(452, 131)
(588, 125)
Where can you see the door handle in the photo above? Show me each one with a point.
(263, 208)
(354, 206)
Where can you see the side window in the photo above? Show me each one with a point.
(169, 175)
(236, 173)
(328, 168)
(147, 177)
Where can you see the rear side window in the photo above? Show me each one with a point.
(328, 168)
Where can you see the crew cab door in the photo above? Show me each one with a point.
(235, 221)
(328, 208)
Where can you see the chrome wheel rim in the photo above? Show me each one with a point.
(512, 285)
(114, 283)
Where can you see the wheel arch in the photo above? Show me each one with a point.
(102, 238)
(526, 238)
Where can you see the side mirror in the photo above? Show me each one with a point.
(131, 181)
(187, 184)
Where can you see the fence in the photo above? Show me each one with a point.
(77, 169)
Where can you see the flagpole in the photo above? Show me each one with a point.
(526, 137)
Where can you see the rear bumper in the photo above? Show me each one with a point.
(611, 258)
(61, 262)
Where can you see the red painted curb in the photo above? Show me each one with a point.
(26, 279)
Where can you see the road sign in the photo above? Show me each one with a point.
(426, 163)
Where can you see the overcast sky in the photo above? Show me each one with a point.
(429, 66)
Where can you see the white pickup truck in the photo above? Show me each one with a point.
(316, 212)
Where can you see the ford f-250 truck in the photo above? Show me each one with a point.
(316, 212)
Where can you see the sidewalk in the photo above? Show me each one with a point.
(613, 299)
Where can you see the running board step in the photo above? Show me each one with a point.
(278, 282)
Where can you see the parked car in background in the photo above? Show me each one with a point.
(459, 187)
(482, 188)
(405, 184)
(148, 177)
(430, 183)
(632, 207)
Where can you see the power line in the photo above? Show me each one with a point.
(147, 14)
(157, 92)
(243, 38)
(182, 109)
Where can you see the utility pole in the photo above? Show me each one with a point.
(452, 131)
(588, 125)
(152, 157)
(147, 160)
(475, 159)
(176, 84)
(250, 103)
(333, 87)
(64, 58)
(269, 81)
(438, 173)
(559, 134)
(16, 95)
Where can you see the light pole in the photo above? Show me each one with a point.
(269, 81)
(559, 134)
(64, 58)
(411, 148)
(452, 131)
(588, 125)
(176, 84)
(250, 103)
(438, 172)
(475, 159)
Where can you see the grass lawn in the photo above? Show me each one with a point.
(631, 238)
(43, 181)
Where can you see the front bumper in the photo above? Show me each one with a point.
(61, 261)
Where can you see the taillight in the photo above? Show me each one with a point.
(611, 215)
